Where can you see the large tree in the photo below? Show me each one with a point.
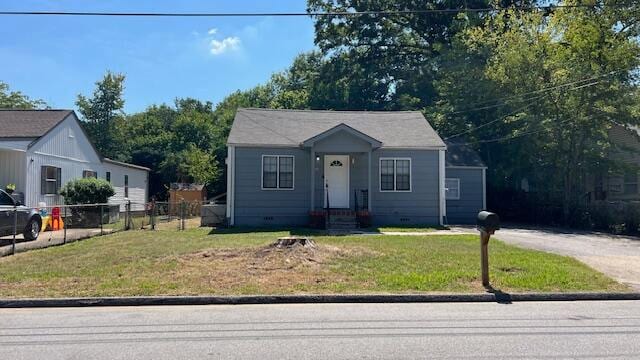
(545, 89)
(102, 112)
(17, 100)
(389, 60)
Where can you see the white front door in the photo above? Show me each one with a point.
(336, 180)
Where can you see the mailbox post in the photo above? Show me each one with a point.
(488, 223)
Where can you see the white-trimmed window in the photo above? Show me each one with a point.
(278, 172)
(395, 174)
(452, 188)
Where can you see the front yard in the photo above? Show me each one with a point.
(197, 262)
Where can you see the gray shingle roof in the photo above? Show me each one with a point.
(269, 127)
(29, 123)
(459, 154)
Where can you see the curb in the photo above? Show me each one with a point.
(310, 299)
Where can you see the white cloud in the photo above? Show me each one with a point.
(212, 31)
(231, 43)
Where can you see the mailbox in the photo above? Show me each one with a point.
(488, 222)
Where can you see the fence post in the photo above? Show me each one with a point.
(101, 218)
(15, 229)
(144, 216)
(64, 217)
(153, 214)
(127, 216)
(183, 207)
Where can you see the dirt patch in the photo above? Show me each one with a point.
(269, 268)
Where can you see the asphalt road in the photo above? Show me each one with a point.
(328, 331)
(616, 256)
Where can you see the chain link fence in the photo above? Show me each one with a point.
(24, 228)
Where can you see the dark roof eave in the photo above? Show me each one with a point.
(107, 160)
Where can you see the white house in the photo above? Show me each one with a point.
(40, 150)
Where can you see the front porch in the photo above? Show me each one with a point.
(341, 188)
(341, 177)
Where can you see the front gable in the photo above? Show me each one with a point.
(67, 140)
(342, 138)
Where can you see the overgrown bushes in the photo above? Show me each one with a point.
(615, 217)
(87, 191)
(619, 217)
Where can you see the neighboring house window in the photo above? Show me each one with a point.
(452, 189)
(50, 180)
(126, 186)
(277, 171)
(89, 174)
(630, 182)
(107, 176)
(395, 174)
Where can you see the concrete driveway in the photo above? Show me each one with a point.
(616, 256)
(47, 238)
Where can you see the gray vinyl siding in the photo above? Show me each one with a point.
(257, 207)
(341, 142)
(421, 205)
(465, 210)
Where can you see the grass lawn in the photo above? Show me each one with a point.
(196, 261)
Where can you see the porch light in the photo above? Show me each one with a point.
(317, 158)
(353, 161)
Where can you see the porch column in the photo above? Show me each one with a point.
(313, 179)
(369, 194)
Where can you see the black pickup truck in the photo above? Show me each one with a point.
(29, 220)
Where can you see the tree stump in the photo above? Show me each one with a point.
(293, 241)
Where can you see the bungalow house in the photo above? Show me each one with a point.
(40, 150)
(284, 165)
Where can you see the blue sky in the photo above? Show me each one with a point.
(56, 58)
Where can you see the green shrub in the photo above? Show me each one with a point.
(87, 191)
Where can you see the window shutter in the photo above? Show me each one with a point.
(58, 180)
(43, 180)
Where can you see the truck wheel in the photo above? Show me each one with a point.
(32, 230)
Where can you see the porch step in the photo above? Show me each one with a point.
(342, 212)
(343, 225)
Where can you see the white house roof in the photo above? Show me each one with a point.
(34, 124)
(267, 127)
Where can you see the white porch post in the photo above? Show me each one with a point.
(369, 194)
(313, 179)
(441, 177)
